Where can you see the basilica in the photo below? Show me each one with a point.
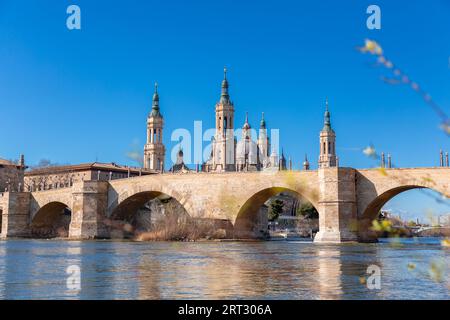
(227, 152)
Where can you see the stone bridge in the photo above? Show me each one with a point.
(347, 199)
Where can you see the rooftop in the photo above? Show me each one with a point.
(93, 166)
(4, 162)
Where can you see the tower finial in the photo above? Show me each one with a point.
(155, 95)
(155, 104)
(225, 73)
(326, 120)
(263, 122)
(306, 163)
(246, 124)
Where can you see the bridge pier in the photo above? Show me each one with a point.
(15, 214)
(90, 200)
(337, 206)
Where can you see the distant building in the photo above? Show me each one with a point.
(228, 154)
(179, 166)
(64, 176)
(252, 152)
(12, 174)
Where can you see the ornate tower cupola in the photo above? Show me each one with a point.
(223, 148)
(263, 122)
(155, 103)
(327, 156)
(306, 163)
(154, 150)
(224, 109)
(225, 97)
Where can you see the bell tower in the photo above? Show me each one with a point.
(224, 147)
(154, 149)
(327, 156)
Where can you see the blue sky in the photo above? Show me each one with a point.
(81, 95)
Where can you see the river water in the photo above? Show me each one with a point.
(37, 269)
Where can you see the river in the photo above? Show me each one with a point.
(37, 269)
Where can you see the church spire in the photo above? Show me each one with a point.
(263, 122)
(306, 163)
(155, 95)
(225, 97)
(246, 124)
(155, 103)
(327, 120)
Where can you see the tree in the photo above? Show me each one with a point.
(276, 208)
(308, 211)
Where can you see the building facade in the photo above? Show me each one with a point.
(249, 153)
(55, 177)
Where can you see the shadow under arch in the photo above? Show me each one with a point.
(125, 222)
(246, 219)
(128, 207)
(52, 220)
(370, 213)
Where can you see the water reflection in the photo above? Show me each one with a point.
(329, 273)
(216, 270)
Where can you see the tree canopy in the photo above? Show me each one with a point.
(276, 208)
(308, 211)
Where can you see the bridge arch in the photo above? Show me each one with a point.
(51, 220)
(373, 208)
(245, 223)
(126, 211)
